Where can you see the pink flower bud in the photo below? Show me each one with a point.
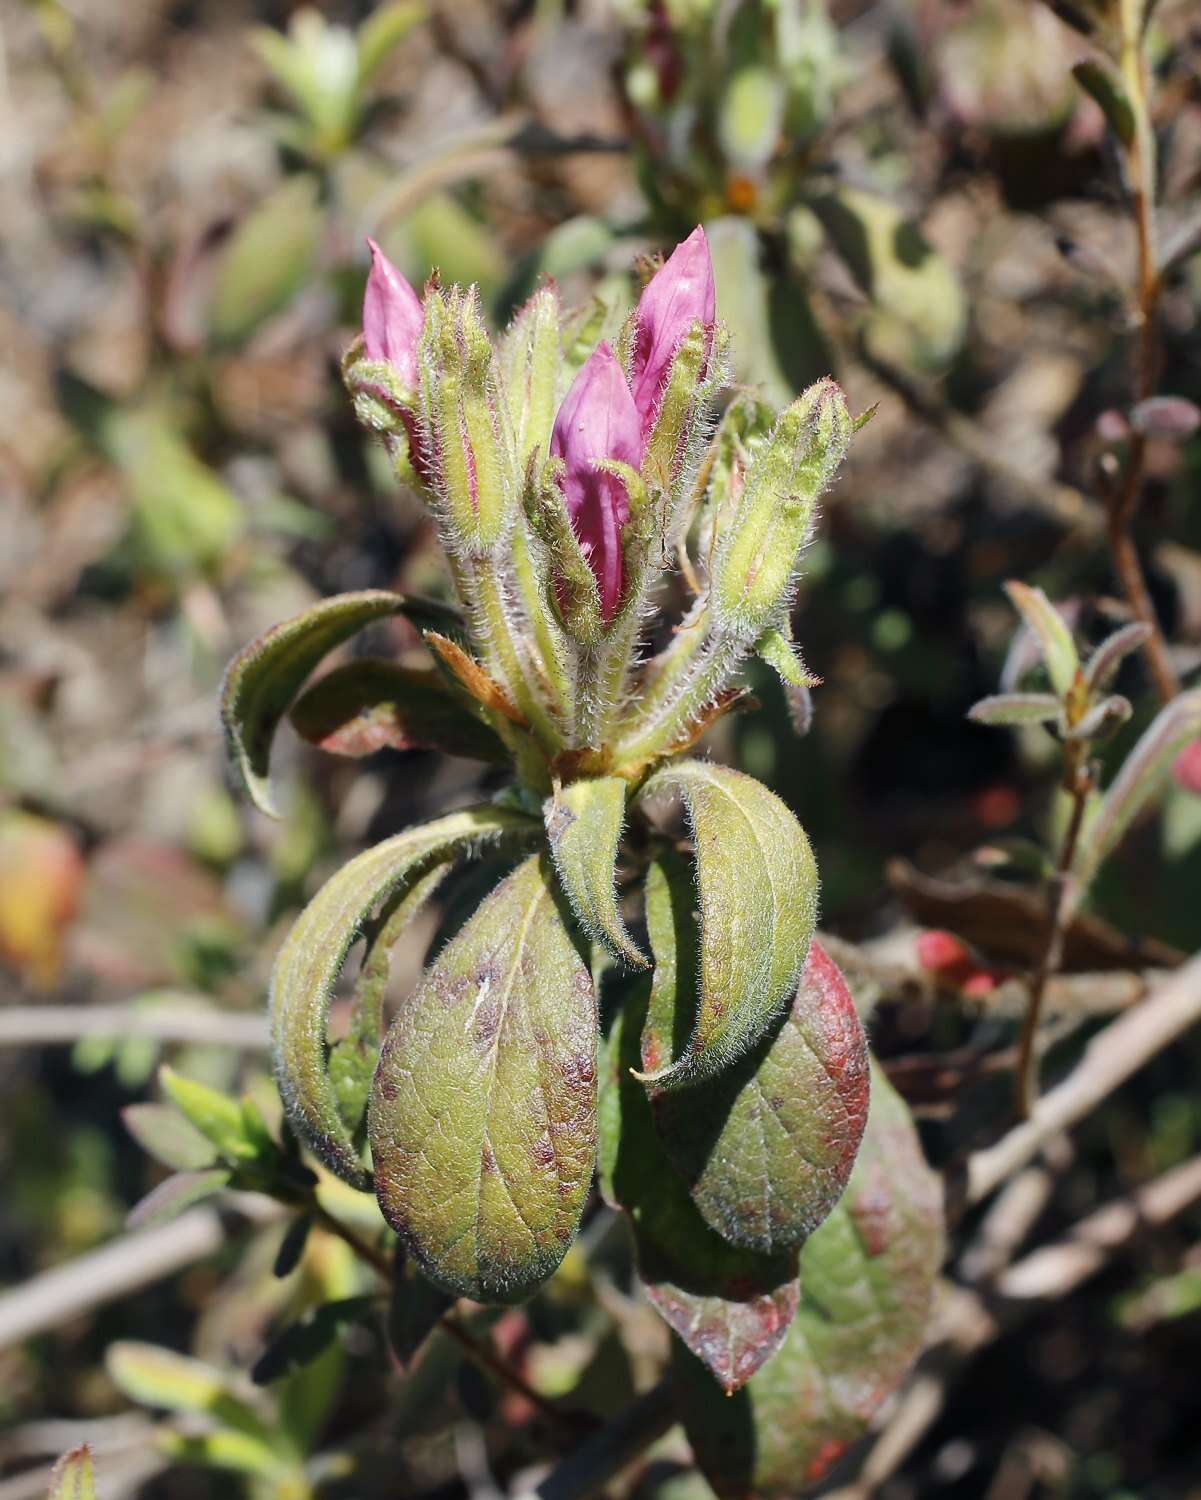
(1186, 769)
(597, 421)
(676, 297)
(392, 317)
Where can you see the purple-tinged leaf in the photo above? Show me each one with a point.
(483, 1109)
(1051, 631)
(401, 870)
(176, 1193)
(1015, 708)
(731, 1306)
(866, 1282)
(767, 1146)
(261, 681)
(372, 705)
(1141, 776)
(1103, 664)
(1166, 416)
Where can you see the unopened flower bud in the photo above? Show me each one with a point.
(679, 295)
(529, 357)
(467, 423)
(598, 423)
(758, 551)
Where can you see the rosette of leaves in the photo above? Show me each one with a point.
(726, 1093)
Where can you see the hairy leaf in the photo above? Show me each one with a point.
(177, 1192)
(757, 886)
(583, 824)
(768, 1145)
(372, 705)
(72, 1477)
(265, 676)
(867, 1277)
(1103, 664)
(1050, 630)
(1102, 721)
(483, 1111)
(730, 1306)
(168, 1137)
(1141, 776)
(314, 950)
(1016, 708)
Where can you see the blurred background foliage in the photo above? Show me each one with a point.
(915, 196)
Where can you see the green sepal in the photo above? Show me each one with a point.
(867, 1279)
(583, 824)
(313, 952)
(757, 887)
(571, 589)
(774, 648)
(731, 1306)
(263, 678)
(528, 356)
(483, 1111)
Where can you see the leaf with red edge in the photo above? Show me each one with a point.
(372, 705)
(867, 1279)
(731, 1306)
(767, 1147)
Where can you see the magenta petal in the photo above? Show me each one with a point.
(676, 297)
(392, 317)
(598, 420)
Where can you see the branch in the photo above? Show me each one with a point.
(63, 1025)
(1110, 1059)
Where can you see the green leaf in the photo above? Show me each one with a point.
(267, 259)
(1102, 721)
(1016, 708)
(371, 705)
(1051, 631)
(291, 1247)
(1142, 774)
(483, 1112)
(178, 1192)
(313, 952)
(767, 1147)
(1103, 664)
(72, 1477)
(867, 1279)
(168, 1137)
(415, 1308)
(225, 1449)
(218, 1118)
(1100, 81)
(730, 1306)
(382, 31)
(159, 1377)
(757, 886)
(920, 311)
(265, 676)
(583, 823)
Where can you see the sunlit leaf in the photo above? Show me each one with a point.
(1050, 630)
(159, 1377)
(757, 891)
(768, 1145)
(313, 952)
(217, 1117)
(1103, 664)
(72, 1477)
(731, 1306)
(866, 1277)
(383, 30)
(483, 1111)
(225, 1449)
(583, 823)
(267, 259)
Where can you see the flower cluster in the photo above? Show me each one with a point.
(562, 480)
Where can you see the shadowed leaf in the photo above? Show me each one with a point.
(483, 1111)
(768, 1145)
(757, 890)
(178, 1192)
(265, 676)
(867, 1277)
(366, 706)
(583, 824)
(1016, 708)
(313, 952)
(730, 1306)
(414, 1310)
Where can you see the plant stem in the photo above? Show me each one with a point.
(1122, 503)
(1078, 783)
(381, 1263)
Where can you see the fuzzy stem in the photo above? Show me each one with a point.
(498, 641)
(709, 668)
